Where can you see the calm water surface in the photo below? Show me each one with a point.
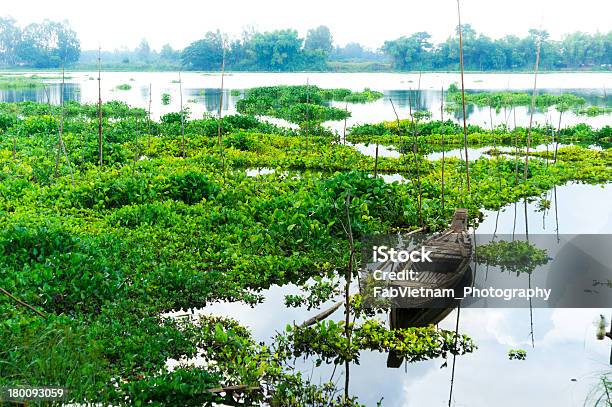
(561, 370)
(564, 366)
(201, 92)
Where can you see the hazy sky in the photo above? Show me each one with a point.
(117, 23)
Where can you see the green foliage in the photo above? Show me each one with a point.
(297, 104)
(430, 132)
(319, 292)
(124, 86)
(517, 354)
(517, 256)
(482, 53)
(48, 44)
(327, 342)
(367, 95)
(165, 99)
(499, 100)
(593, 111)
(107, 254)
(19, 82)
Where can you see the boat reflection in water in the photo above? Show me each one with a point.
(449, 268)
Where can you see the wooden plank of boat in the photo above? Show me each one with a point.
(451, 255)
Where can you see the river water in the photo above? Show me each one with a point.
(201, 92)
(564, 366)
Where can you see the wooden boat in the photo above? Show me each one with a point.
(451, 252)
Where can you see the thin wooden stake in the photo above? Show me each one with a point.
(220, 115)
(344, 130)
(416, 159)
(452, 383)
(61, 147)
(22, 303)
(149, 118)
(533, 102)
(557, 138)
(347, 297)
(465, 131)
(183, 115)
(376, 162)
(100, 141)
(307, 112)
(443, 131)
(220, 112)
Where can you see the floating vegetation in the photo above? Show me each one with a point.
(593, 111)
(106, 252)
(499, 100)
(366, 96)
(124, 86)
(517, 354)
(296, 104)
(235, 92)
(301, 104)
(430, 132)
(517, 256)
(20, 82)
(165, 99)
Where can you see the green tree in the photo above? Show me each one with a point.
(319, 38)
(409, 52)
(10, 36)
(279, 50)
(48, 45)
(144, 50)
(167, 53)
(204, 54)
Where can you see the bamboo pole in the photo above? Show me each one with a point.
(344, 129)
(416, 160)
(443, 158)
(376, 162)
(221, 97)
(399, 132)
(347, 297)
(533, 102)
(465, 131)
(495, 146)
(61, 147)
(220, 112)
(183, 114)
(149, 117)
(557, 138)
(307, 112)
(452, 383)
(100, 147)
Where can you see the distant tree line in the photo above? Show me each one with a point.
(280, 50)
(576, 50)
(284, 50)
(48, 44)
(141, 57)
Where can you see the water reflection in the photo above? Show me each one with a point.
(49, 93)
(561, 369)
(210, 98)
(201, 93)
